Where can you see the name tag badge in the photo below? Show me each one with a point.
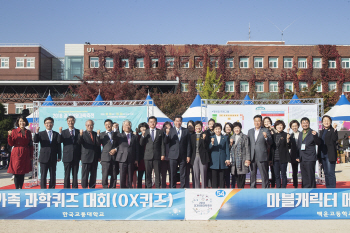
(303, 146)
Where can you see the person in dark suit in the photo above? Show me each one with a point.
(90, 154)
(199, 156)
(327, 152)
(110, 166)
(50, 152)
(164, 164)
(267, 123)
(71, 152)
(209, 132)
(179, 142)
(189, 167)
(259, 138)
(280, 154)
(152, 139)
(128, 154)
(308, 139)
(228, 131)
(294, 152)
(220, 156)
(141, 163)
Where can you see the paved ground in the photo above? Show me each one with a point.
(8, 226)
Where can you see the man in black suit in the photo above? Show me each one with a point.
(108, 162)
(71, 152)
(127, 155)
(152, 139)
(50, 152)
(90, 154)
(179, 142)
(307, 141)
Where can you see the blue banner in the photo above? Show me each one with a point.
(135, 114)
(279, 204)
(93, 204)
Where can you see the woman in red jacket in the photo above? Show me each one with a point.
(22, 152)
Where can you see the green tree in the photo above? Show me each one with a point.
(209, 89)
(5, 124)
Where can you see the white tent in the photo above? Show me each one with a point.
(155, 111)
(341, 110)
(195, 112)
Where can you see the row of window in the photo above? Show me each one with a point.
(19, 108)
(229, 62)
(21, 62)
(273, 86)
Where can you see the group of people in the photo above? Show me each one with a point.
(213, 156)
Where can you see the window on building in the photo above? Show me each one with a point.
(184, 62)
(303, 86)
(259, 86)
(198, 62)
(288, 62)
(319, 86)
(30, 62)
(19, 62)
(244, 86)
(332, 86)
(230, 86)
(214, 62)
(317, 62)
(139, 63)
(243, 62)
(346, 87)
(345, 63)
(6, 108)
(94, 62)
(125, 63)
(155, 62)
(199, 86)
(258, 62)
(273, 86)
(109, 62)
(332, 64)
(30, 108)
(288, 86)
(184, 87)
(273, 62)
(4, 62)
(19, 108)
(169, 61)
(302, 63)
(229, 62)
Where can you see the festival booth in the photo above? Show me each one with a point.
(243, 111)
(48, 102)
(195, 112)
(136, 111)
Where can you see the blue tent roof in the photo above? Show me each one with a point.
(196, 102)
(342, 100)
(151, 102)
(48, 101)
(98, 98)
(295, 100)
(247, 98)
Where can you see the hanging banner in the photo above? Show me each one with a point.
(244, 114)
(93, 204)
(279, 204)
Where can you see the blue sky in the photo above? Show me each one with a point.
(54, 23)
